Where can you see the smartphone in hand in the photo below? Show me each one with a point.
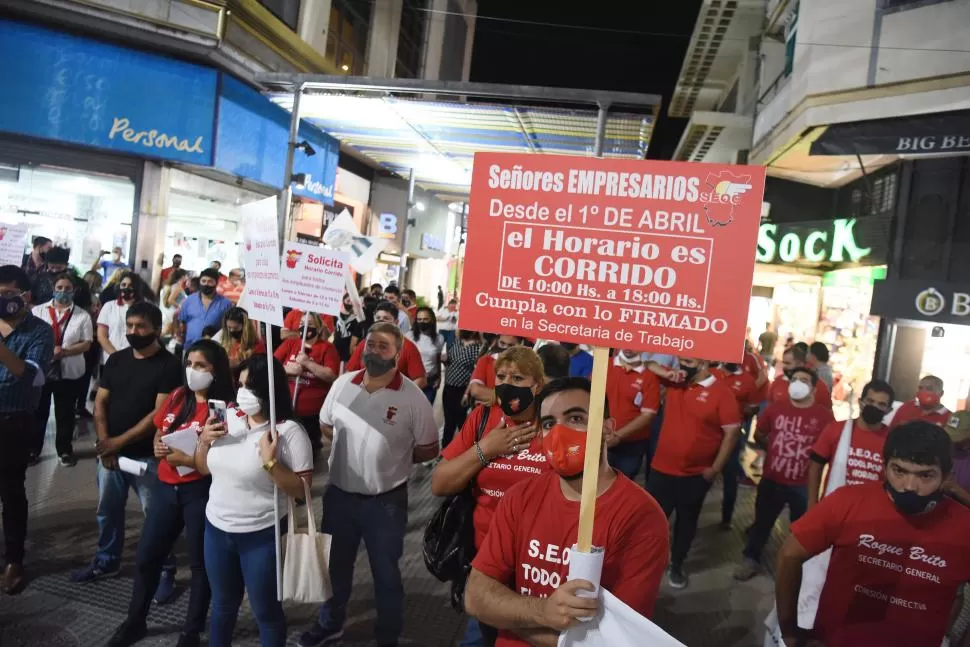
(217, 409)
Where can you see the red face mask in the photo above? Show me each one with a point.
(565, 450)
(928, 399)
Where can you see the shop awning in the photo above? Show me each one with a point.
(390, 123)
(933, 134)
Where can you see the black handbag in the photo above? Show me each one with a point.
(449, 539)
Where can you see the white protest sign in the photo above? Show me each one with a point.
(13, 242)
(261, 260)
(314, 278)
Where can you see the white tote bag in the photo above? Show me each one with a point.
(306, 559)
(815, 569)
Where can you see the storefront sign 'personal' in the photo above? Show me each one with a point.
(313, 278)
(634, 254)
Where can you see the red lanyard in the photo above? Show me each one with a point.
(60, 327)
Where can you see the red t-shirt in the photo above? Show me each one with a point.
(791, 432)
(494, 481)
(528, 545)
(629, 393)
(294, 321)
(893, 577)
(865, 451)
(779, 392)
(910, 411)
(744, 388)
(313, 390)
(164, 417)
(751, 364)
(693, 427)
(484, 372)
(409, 363)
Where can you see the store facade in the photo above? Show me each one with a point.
(104, 146)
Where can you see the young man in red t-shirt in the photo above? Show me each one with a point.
(787, 430)
(634, 396)
(925, 406)
(482, 385)
(899, 552)
(791, 359)
(865, 450)
(409, 362)
(700, 428)
(518, 579)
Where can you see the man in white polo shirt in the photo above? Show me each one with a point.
(380, 424)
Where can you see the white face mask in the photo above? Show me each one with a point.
(198, 380)
(248, 402)
(798, 390)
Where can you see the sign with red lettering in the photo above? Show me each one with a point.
(261, 260)
(314, 278)
(654, 256)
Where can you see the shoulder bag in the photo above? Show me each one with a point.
(306, 559)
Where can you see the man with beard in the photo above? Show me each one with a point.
(204, 308)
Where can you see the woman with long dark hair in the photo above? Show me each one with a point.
(239, 337)
(432, 347)
(179, 496)
(240, 535)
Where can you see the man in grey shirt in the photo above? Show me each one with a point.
(819, 354)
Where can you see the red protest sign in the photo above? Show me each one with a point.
(647, 255)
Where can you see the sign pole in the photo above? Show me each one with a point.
(597, 405)
(306, 326)
(272, 430)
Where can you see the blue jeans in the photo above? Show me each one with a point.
(113, 487)
(478, 635)
(237, 563)
(628, 457)
(449, 336)
(381, 521)
(772, 499)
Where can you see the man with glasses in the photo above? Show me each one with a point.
(368, 493)
(409, 359)
(868, 437)
(26, 348)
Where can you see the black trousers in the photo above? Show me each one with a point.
(312, 426)
(16, 431)
(64, 394)
(772, 499)
(173, 508)
(455, 412)
(683, 495)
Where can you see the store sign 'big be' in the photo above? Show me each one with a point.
(835, 245)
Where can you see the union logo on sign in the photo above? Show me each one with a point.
(725, 193)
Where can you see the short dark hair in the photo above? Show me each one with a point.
(257, 381)
(174, 256)
(210, 273)
(920, 442)
(820, 351)
(879, 386)
(147, 311)
(14, 274)
(58, 255)
(410, 293)
(392, 289)
(567, 384)
(386, 306)
(807, 371)
(801, 345)
(40, 241)
(797, 353)
(219, 263)
(555, 361)
(210, 331)
(376, 285)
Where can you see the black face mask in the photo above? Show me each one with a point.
(127, 293)
(208, 290)
(311, 333)
(911, 502)
(788, 373)
(514, 399)
(872, 415)
(569, 347)
(690, 372)
(731, 368)
(141, 342)
(236, 334)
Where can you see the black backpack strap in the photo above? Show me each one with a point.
(481, 425)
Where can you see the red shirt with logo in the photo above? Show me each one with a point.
(527, 547)
(409, 363)
(865, 451)
(745, 389)
(910, 411)
(893, 577)
(631, 392)
(779, 392)
(313, 391)
(791, 433)
(494, 481)
(163, 419)
(484, 372)
(693, 427)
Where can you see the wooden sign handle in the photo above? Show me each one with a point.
(594, 441)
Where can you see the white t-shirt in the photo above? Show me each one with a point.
(112, 317)
(79, 329)
(447, 320)
(241, 494)
(374, 434)
(430, 350)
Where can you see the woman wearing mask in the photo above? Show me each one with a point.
(112, 329)
(509, 451)
(73, 334)
(311, 368)
(179, 496)
(459, 364)
(240, 541)
(431, 345)
(239, 337)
